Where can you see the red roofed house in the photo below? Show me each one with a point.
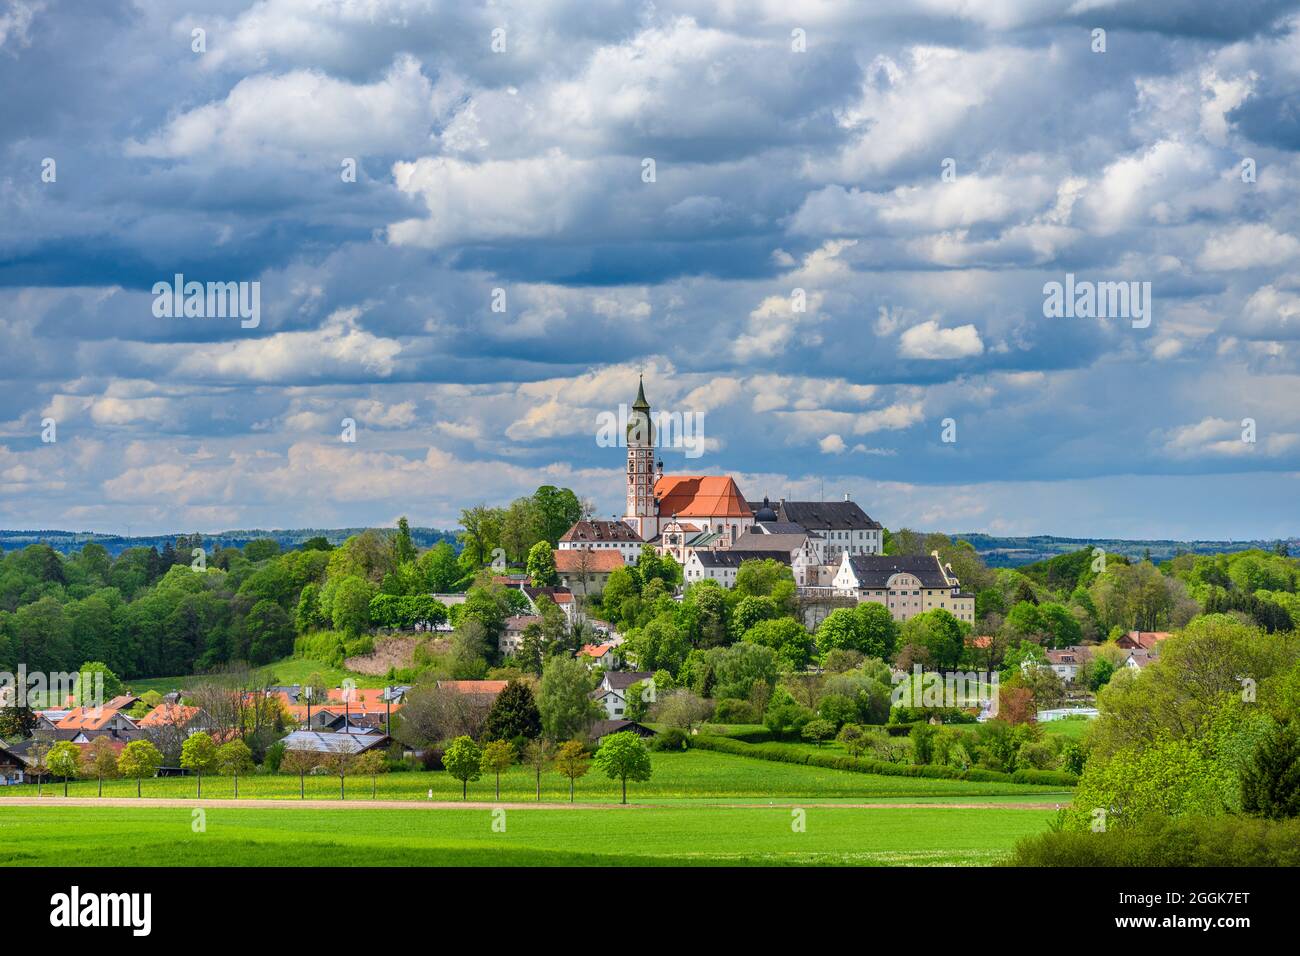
(597, 535)
(583, 570)
(488, 689)
(1141, 640)
(108, 717)
(604, 656)
(178, 716)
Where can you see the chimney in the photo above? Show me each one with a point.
(846, 496)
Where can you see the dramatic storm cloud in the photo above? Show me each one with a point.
(829, 231)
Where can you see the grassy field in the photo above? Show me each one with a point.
(682, 835)
(290, 670)
(1072, 728)
(694, 775)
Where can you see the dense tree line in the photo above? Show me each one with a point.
(182, 609)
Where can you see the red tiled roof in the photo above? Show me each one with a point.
(492, 687)
(175, 715)
(700, 496)
(359, 697)
(95, 718)
(600, 531)
(1143, 639)
(595, 650)
(571, 561)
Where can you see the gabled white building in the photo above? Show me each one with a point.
(906, 584)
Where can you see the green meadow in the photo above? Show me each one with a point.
(289, 670)
(693, 775)
(699, 808)
(633, 836)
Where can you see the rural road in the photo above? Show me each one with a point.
(290, 803)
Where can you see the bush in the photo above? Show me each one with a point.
(671, 739)
(274, 754)
(325, 646)
(749, 733)
(732, 710)
(431, 758)
(1190, 840)
(360, 647)
(922, 715)
(1058, 778)
(786, 753)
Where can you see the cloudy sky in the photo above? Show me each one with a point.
(791, 151)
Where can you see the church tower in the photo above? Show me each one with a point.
(642, 513)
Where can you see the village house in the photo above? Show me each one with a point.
(1137, 659)
(109, 716)
(799, 549)
(612, 690)
(1141, 640)
(180, 717)
(721, 566)
(346, 721)
(512, 635)
(1067, 661)
(846, 528)
(325, 743)
(602, 537)
(483, 690)
(601, 729)
(604, 656)
(586, 571)
(907, 585)
(12, 768)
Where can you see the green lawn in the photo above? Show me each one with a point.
(682, 835)
(290, 670)
(693, 775)
(1072, 728)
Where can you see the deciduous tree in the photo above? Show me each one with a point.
(573, 761)
(623, 756)
(139, 759)
(463, 760)
(497, 756)
(64, 760)
(199, 753)
(234, 758)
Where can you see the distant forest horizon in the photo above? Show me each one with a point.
(996, 550)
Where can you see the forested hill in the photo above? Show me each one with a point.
(999, 552)
(67, 542)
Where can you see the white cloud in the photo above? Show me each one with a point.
(910, 105)
(1272, 313)
(1219, 437)
(304, 113)
(1247, 247)
(15, 20)
(929, 341)
(1166, 182)
(338, 349)
(510, 199)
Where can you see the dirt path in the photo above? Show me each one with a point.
(289, 803)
